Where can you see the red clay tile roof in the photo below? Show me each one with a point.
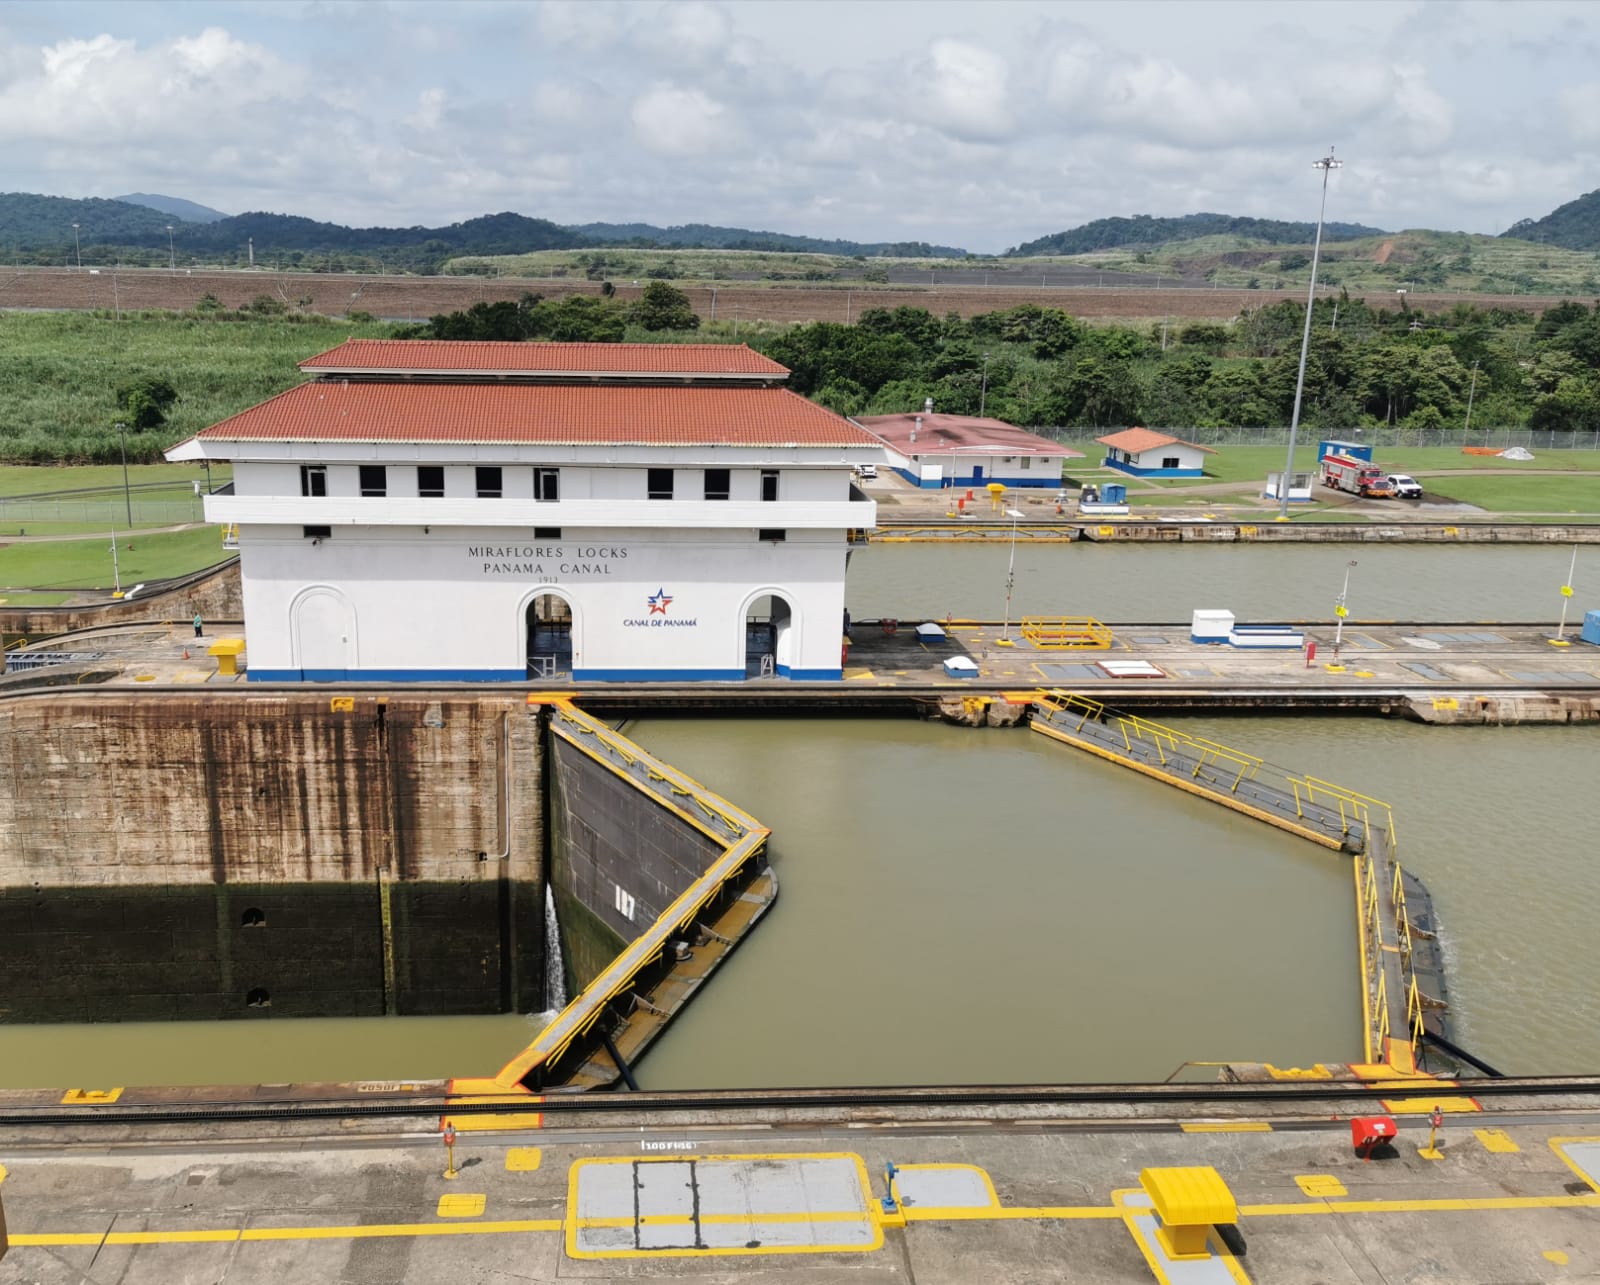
(1134, 440)
(564, 414)
(417, 356)
(943, 434)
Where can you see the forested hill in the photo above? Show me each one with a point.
(176, 206)
(706, 236)
(487, 234)
(1574, 226)
(1144, 230)
(29, 221)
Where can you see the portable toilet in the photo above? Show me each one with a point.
(1113, 493)
(1355, 450)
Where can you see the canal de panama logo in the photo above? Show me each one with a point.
(656, 616)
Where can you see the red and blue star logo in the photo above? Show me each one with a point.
(659, 601)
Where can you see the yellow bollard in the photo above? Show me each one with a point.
(1431, 1151)
(450, 1170)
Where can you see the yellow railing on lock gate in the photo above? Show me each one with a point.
(1165, 741)
(1066, 633)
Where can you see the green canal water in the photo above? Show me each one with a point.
(964, 905)
(1257, 582)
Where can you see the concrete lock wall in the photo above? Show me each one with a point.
(618, 859)
(164, 856)
(214, 595)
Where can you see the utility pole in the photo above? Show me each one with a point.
(1472, 389)
(1327, 165)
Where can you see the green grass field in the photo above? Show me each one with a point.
(1552, 494)
(53, 566)
(59, 373)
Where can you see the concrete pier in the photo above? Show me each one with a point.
(719, 1189)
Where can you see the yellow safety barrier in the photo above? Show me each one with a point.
(1066, 633)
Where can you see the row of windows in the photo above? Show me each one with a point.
(490, 482)
(772, 535)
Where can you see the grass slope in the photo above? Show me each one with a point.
(58, 565)
(58, 373)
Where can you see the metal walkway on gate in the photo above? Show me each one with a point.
(1317, 810)
(1403, 988)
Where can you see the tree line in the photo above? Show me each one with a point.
(1366, 367)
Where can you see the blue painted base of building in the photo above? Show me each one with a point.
(977, 483)
(521, 676)
(1134, 471)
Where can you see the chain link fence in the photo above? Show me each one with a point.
(108, 512)
(1382, 438)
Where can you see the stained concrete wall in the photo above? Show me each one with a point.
(614, 849)
(390, 845)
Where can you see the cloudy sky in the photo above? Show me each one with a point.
(972, 124)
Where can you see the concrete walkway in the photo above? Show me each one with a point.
(995, 1197)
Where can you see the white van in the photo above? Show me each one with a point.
(867, 472)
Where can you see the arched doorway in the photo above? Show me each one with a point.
(549, 634)
(769, 636)
(323, 633)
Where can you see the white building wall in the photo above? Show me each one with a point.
(395, 604)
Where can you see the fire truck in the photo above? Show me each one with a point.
(1359, 477)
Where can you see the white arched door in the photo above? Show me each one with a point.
(324, 631)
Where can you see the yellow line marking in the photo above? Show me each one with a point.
(1497, 1141)
(865, 1216)
(1422, 1106)
(988, 1183)
(1558, 1145)
(89, 1097)
(1442, 1204)
(1323, 1185)
(1225, 1126)
(1154, 1259)
(522, 1159)
(462, 1204)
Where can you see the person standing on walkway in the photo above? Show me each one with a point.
(197, 624)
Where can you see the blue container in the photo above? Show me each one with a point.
(1113, 493)
(1355, 450)
(1591, 628)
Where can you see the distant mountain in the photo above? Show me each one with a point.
(43, 224)
(1575, 225)
(275, 233)
(176, 206)
(1143, 230)
(705, 236)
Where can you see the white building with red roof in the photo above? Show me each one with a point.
(1143, 452)
(425, 510)
(933, 451)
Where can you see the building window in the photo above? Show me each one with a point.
(658, 484)
(718, 484)
(316, 532)
(547, 484)
(314, 480)
(546, 533)
(1170, 461)
(374, 481)
(774, 534)
(430, 481)
(1027, 461)
(769, 484)
(489, 485)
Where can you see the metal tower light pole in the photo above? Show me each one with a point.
(1326, 164)
(77, 247)
(1011, 578)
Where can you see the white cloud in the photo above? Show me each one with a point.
(962, 89)
(868, 120)
(681, 122)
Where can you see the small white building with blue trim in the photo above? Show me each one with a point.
(1143, 452)
(934, 451)
(426, 511)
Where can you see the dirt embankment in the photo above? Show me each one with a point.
(418, 298)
